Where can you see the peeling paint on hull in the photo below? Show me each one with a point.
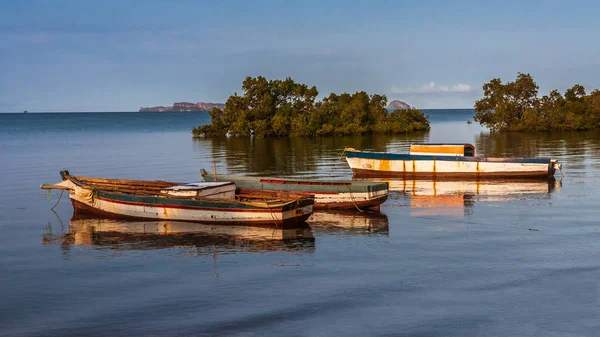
(344, 200)
(264, 219)
(378, 164)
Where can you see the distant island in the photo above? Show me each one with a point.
(202, 106)
(184, 106)
(396, 104)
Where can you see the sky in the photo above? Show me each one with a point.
(120, 55)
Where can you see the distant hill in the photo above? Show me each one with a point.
(184, 106)
(396, 104)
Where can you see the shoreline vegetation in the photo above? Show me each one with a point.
(515, 106)
(279, 108)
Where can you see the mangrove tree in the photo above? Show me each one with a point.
(515, 106)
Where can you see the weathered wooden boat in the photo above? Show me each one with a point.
(329, 194)
(215, 203)
(456, 161)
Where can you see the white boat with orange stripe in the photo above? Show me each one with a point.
(446, 161)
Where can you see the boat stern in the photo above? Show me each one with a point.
(296, 212)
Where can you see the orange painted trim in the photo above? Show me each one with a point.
(450, 149)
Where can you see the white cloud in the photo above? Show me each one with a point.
(432, 88)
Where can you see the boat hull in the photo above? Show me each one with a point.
(334, 200)
(117, 209)
(376, 164)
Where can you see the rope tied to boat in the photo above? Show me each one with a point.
(556, 164)
(272, 216)
(49, 195)
(59, 197)
(349, 190)
(560, 170)
(339, 159)
(353, 201)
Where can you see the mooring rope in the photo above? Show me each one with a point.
(337, 162)
(60, 196)
(353, 201)
(272, 216)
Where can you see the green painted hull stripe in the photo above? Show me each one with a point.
(256, 184)
(152, 200)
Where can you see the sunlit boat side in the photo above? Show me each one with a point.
(446, 161)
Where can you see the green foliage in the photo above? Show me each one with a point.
(286, 108)
(515, 106)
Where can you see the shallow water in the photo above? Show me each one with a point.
(443, 259)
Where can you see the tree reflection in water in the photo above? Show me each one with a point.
(295, 156)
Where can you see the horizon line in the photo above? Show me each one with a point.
(145, 112)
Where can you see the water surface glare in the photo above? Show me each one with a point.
(442, 258)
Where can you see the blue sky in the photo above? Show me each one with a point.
(119, 55)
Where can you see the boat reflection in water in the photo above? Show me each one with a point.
(349, 222)
(456, 198)
(201, 238)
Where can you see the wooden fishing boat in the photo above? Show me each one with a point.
(329, 194)
(214, 203)
(446, 161)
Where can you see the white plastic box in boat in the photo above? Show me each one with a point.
(210, 190)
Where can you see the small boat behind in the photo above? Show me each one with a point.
(215, 203)
(329, 194)
(452, 161)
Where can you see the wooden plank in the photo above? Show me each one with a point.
(54, 187)
(157, 183)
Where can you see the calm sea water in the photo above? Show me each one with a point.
(443, 259)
